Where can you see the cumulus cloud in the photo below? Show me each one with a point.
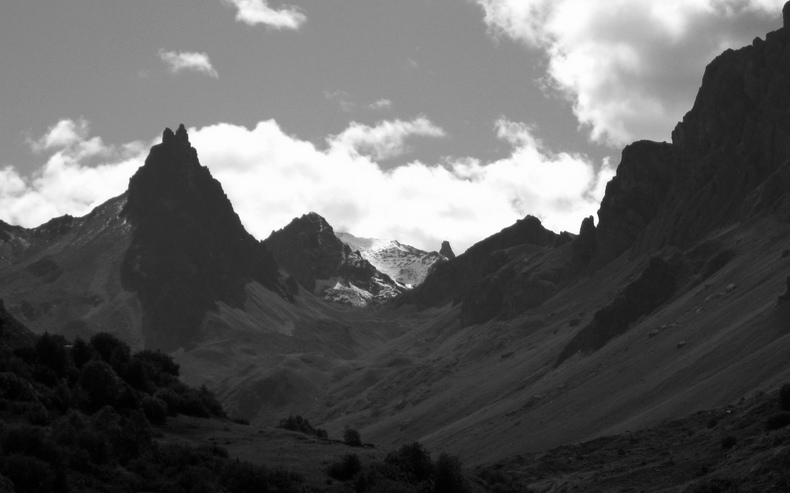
(272, 177)
(253, 12)
(79, 173)
(387, 139)
(630, 68)
(196, 62)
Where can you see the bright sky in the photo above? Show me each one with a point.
(415, 120)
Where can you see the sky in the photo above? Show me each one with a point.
(415, 120)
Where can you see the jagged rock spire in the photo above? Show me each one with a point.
(189, 248)
(447, 250)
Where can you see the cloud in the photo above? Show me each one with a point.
(386, 140)
(343, 99)
(195, 62)
(253, 12)
(630, 68)
(80, 173)
(381, 104)
(65, 133)
(348, 105)
(272, 177)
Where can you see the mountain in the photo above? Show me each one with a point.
(309, 249)
(668, 306)
(404, 263)
(188, 249)
(673, 304)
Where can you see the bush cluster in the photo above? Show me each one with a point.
(77, 417)
(408, 469)
(298, 423)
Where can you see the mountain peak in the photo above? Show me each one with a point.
(326, 266)
(447, 250)
(786, 15)
(189, 248)
(180, 135)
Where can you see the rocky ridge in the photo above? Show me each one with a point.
(728, 162)
(325, 266)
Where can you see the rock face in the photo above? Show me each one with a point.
(651, 289)
(491, 278)
(405, 264)
(447, 250)
(728, 160)
(311, 252)
(189, 249)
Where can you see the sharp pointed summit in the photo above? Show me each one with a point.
(189, 249)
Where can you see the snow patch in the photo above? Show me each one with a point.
(405, 264)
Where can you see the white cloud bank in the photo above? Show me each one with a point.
(79, 174)
(272, 177)
(630, 68)
(254, 12)
(195, 62)
(387, 139)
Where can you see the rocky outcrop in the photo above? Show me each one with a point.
(189, 249)
(311, 252)
(633, 197)
(727, 162)
(457, 280)
(447, 251)
(784, 298)
(651, 289)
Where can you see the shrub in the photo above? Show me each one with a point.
(81, 353)
(298, 423)
(155, 410)
(51, 352)
(777, 421)
(345, 469)
(448, 475)
(95, 445)
(352, 437)
(28, 473)
(16, 389)
(100, 382)
(784, 396)
(111, 350)
(141, 375)
(30, 440)
(185, 400)
(413, 459)
(162, 362)
(728, 442)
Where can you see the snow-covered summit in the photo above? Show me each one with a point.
(406, 264)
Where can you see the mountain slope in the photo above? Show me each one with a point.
(532, 339)
(64, 276)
